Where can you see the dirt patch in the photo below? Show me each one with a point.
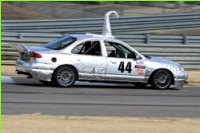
(65, 124)
(8, 70)
(194, 76)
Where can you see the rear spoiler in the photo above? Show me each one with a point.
(22, 48)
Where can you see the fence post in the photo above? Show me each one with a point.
(20, 36)
(185, 39)
(148, 39)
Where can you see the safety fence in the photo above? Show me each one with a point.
(187, 55)
(140, 38)
(139, 32)
(121, 26)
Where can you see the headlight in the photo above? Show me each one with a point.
(181, 68)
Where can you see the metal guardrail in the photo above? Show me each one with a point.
(146, 39)
(123, 25)
(182, 49)
(187, 55)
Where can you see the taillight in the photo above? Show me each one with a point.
(35, 55)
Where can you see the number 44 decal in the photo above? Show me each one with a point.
(122, 68)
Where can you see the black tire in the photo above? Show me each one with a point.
(140, 85)
(65, 76)
(48, 83)
(161, 79)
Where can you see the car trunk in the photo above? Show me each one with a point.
(26, 52)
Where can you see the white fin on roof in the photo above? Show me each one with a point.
(106, 27)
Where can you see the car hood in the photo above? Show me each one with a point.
(163, 61)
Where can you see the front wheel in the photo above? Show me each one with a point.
(65, 76)
(161, 79)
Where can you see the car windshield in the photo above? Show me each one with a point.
(60, 43)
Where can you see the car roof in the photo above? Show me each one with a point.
(92, 36)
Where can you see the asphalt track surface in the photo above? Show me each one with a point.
(27, 96)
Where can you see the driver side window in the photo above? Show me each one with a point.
(118, 51)
(88, 48)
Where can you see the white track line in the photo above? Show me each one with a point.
(7, 80)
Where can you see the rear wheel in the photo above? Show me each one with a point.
(161, 79)
(65, 76)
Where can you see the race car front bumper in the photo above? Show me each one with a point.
(180, 79)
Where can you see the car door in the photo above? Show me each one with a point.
(122, 64)
(89, 60)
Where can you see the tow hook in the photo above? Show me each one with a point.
(186, 82)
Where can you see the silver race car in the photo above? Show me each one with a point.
(91, 57)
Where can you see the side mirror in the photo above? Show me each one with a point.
(137, 57)
(126, 55)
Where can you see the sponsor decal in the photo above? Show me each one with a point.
(140, 69)
(140, 66)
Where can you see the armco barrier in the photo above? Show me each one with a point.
(187, 55)
(147, 38)
(136, 31)
(124, 25)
